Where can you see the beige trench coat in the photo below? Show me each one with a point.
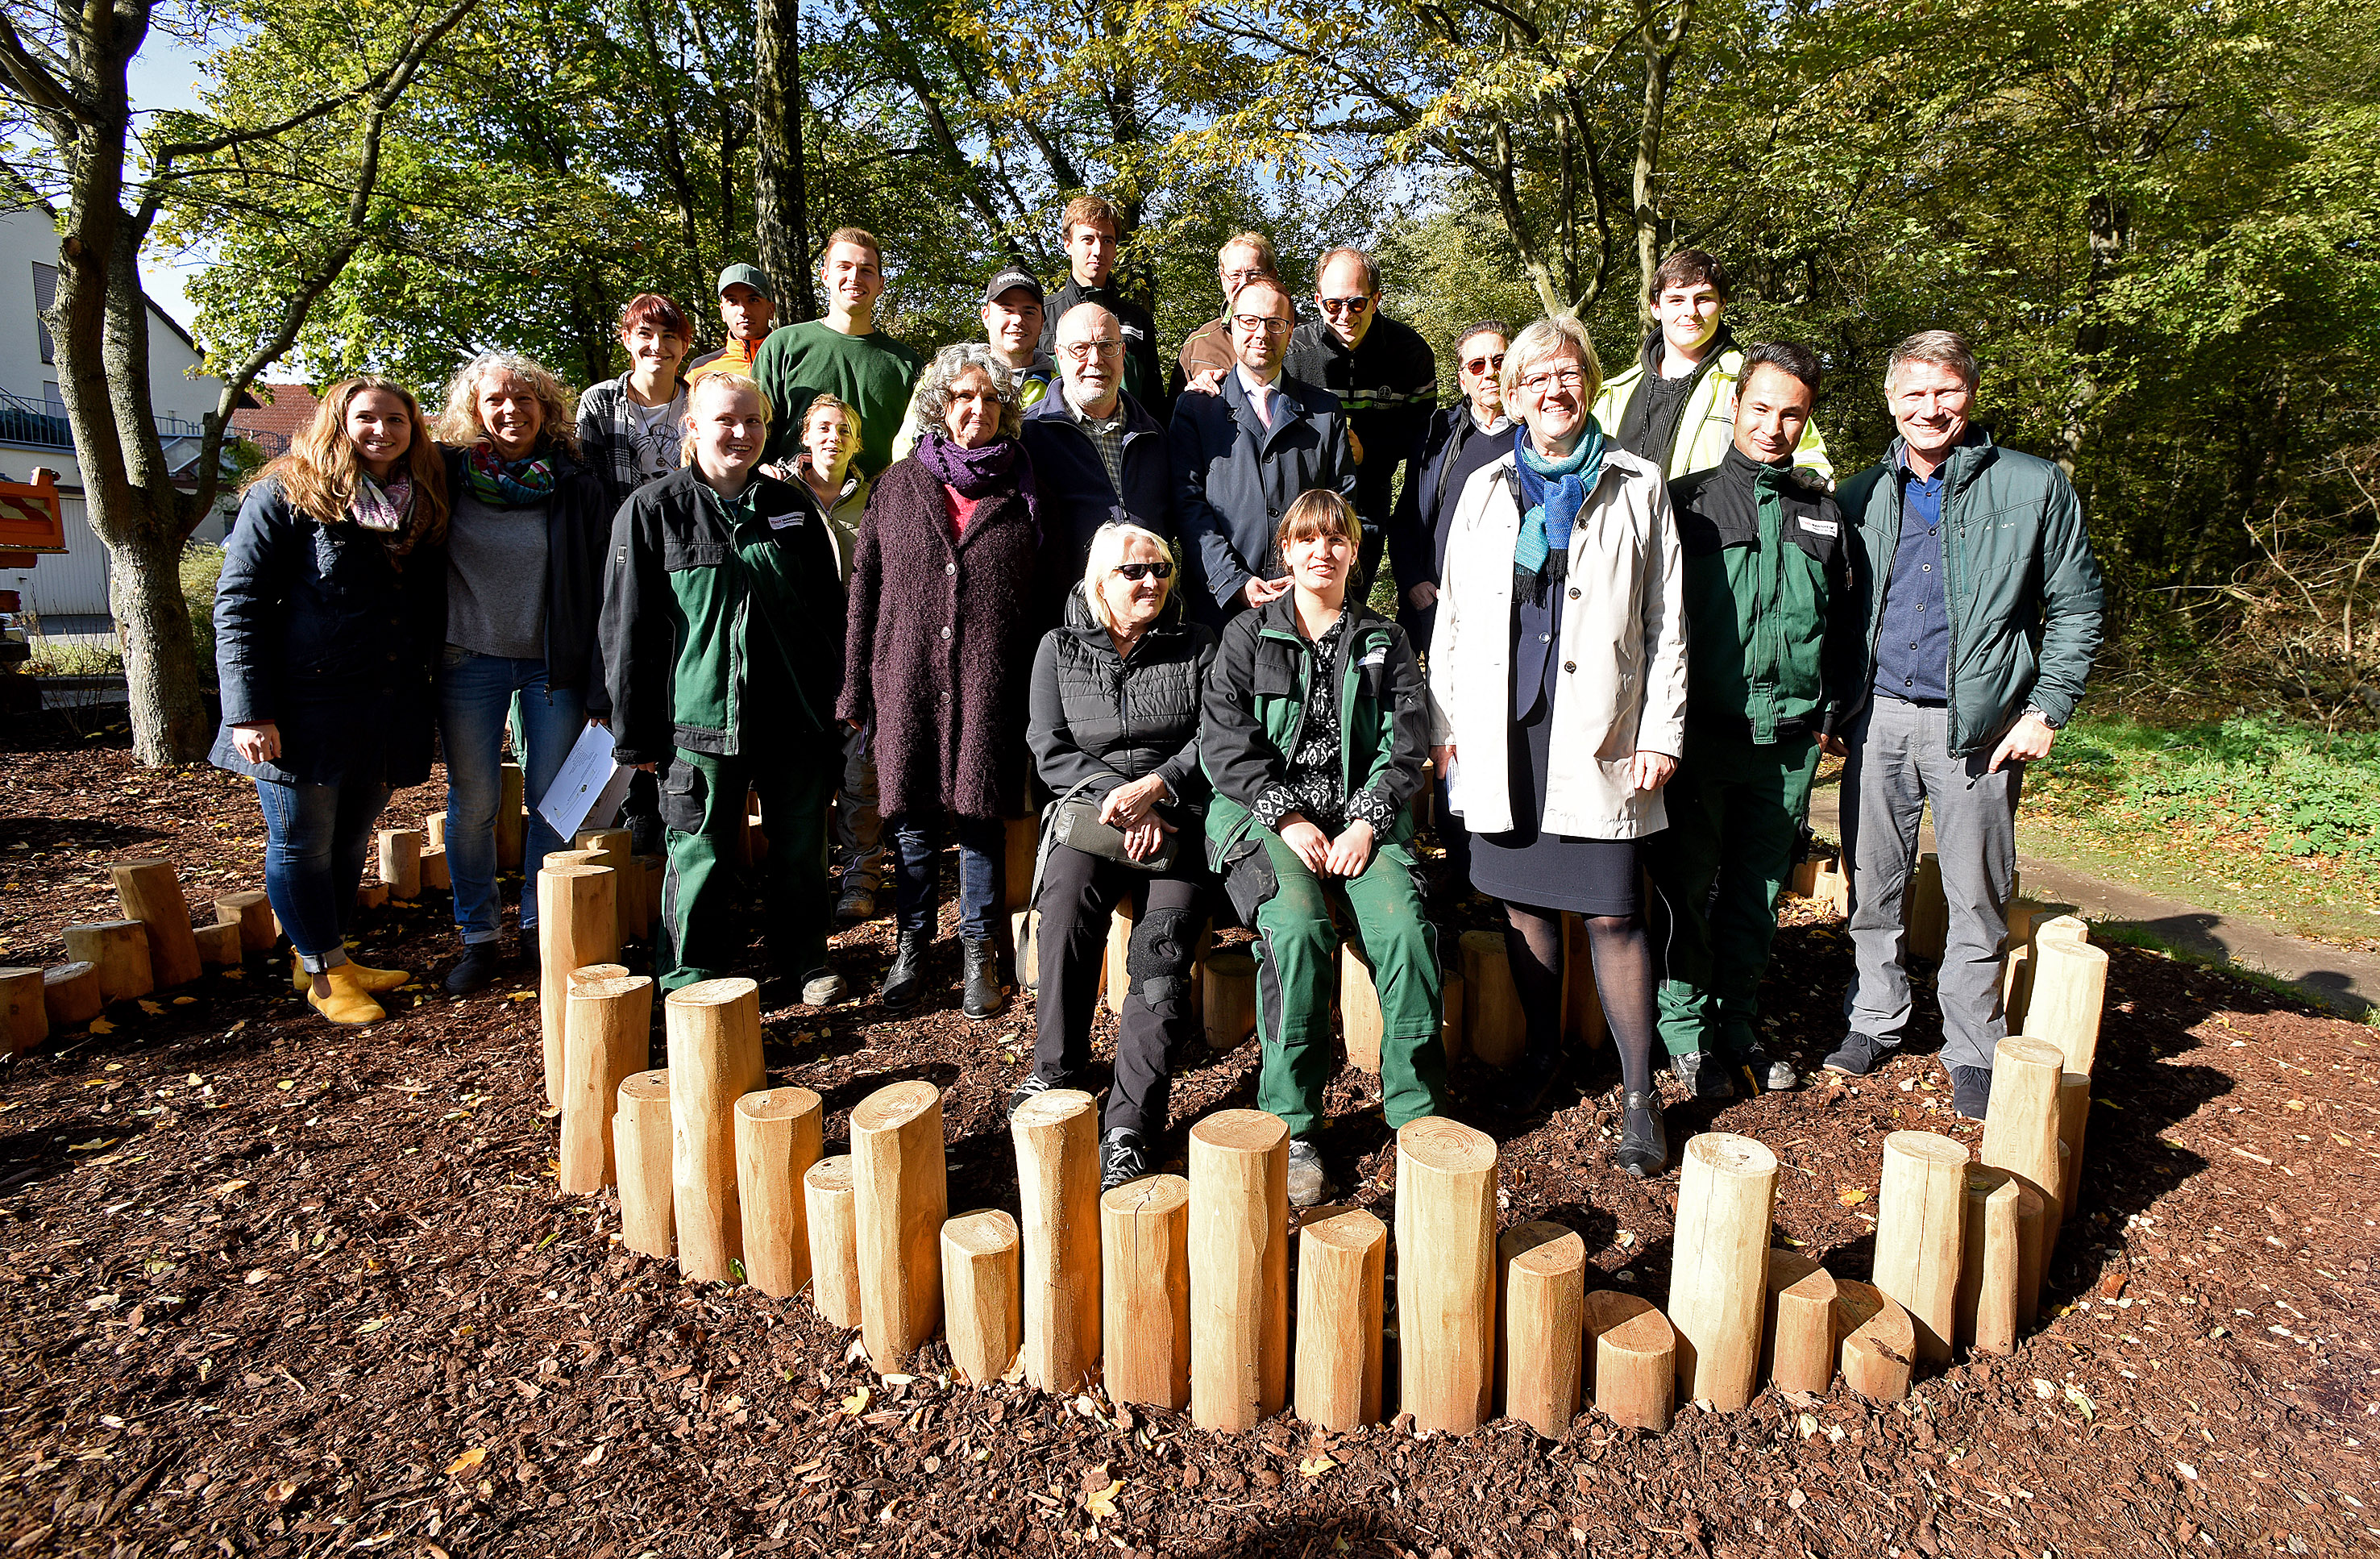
(1622, 682)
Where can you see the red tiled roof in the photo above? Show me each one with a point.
(292, 409)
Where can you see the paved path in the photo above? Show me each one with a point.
(2339, 978)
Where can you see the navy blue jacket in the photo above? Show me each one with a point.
(316, 631)
(1077, 498)
(1233, 478)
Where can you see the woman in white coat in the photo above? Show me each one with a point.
(1557, 686)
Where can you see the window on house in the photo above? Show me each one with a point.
(45, 288)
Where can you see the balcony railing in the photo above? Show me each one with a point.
(26, 420)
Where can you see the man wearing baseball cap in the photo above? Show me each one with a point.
(1012, 304)
(749, 310)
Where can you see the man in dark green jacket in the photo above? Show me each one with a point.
(723, 638)
(1981, 600)
(1771, 663)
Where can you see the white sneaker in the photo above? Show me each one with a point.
(822, 988)
(1308, 1185)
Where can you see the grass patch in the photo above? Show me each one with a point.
(2147, 941)
(53, 659)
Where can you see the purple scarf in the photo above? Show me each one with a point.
(978, 473)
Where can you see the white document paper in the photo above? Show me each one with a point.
(589, 791)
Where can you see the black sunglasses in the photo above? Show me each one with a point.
(1140, 571)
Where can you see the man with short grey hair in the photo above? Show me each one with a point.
(1097, 455)
(1981, 602)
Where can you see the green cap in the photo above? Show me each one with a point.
(750, 275)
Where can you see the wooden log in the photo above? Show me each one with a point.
(1239, 1268)
(1797, 1344)
(607, 1038)
(1231, 998)
(2059, 926)
(1057, 1136)
(70, 994)
(2070, 984)
(834, 1241)
(655, 871)
(1113, 975)
(1023, 934)
(1541, 1321)
(400, 863)
(1879, 1342)
(372, 896)
(1341, 1266)
(1494, 1029)
(1921, 1235)
(615, 848)
(1446, 1272)
(2073, 1123)
(24, 1010)
(1024, 841)
(1145, 1291)
(1925, 912)
(1804, 881)
(1718, 1269)
(979, 1294)
(2032, 1261)
(218, 945)
(640, 1138)
(777, 1138)
(899, 1196)
(148, 892)
(573, 856)
(435, 871)
(433, 832)
(1453, 1006)
(1359, 1010)
(585, 972)
(512, 818)
(1633, 1351)
(252, 913)
(1582, 1022)
(119, 949)
(576, 926)
(1989, 1269)
(714, 1059)
(1837, 895)
(2018, 915)
(2016, 986)
(2020, 1128)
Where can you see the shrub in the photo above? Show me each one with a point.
(201, 566)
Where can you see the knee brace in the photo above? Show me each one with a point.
(1158, 958)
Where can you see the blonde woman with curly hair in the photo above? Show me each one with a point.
(328, 619)
(525, 554)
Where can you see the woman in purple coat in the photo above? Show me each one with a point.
(939, 654)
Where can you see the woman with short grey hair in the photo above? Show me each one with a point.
(949, 366)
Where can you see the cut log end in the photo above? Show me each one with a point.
(1241, 1131)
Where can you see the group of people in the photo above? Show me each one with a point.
(905, 600)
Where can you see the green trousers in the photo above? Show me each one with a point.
(1736, 811)
(1291, 911)
(702, 802)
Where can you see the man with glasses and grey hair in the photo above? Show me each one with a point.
(1097, 455)
(1981, 612)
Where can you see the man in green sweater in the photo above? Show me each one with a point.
(843, 355)
(1771, 664)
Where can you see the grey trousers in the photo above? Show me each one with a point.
(1900, 760)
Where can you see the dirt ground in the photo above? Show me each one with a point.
(277, 1288)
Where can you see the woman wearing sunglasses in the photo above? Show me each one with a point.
(1114, 733)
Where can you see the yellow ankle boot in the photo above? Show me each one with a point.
(370, 978)
(347, 1001)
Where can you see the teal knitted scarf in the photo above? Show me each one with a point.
(1552, 492)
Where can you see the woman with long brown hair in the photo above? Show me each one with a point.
(328, 618)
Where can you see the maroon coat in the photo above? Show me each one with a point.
(938, 648)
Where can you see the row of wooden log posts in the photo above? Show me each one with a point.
(1174, 1291)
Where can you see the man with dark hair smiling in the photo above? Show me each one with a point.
(749, 309)
(1092, 230)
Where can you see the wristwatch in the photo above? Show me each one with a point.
(2046, 720)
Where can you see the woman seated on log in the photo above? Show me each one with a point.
(1314, 739)
(1557, 686)
(938, 654)
(328, 618)
(1114, 732)
(523, 583)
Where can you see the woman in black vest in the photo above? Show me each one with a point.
(1114, 732)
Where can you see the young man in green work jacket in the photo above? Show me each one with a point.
(1771, 660)
(722, 642)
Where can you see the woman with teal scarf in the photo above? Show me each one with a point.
(528, 535)
(1557, 681)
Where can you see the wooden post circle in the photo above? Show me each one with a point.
(1635, 1357)
(834, 1241)
(777, 1139)
(714, 1059)
(640, 1138)
(1798, 1342)
(71, 992)
(1057, 1136)
(979, 1294)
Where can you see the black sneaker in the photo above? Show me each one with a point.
(1705, 1075)
(476, 970)
(1857, 1055)
(1970, 1090)
(856, 905)
(1124, 1158)
(1031, 1084)
(1767, 1073)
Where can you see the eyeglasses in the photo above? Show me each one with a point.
(1351, 307)
(1568, 378)
(1137, 571)
(1267, 324)
(1477, 366)
(1084, 351)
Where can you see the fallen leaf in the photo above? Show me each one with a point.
(856, 1403)
(2075, 1396)
(468, 1460)
(591, 1457)
(153, 1010)
(1099, 1503)
(1850, 1195)
(522, 996)
(1315, 1467)
(231, 1187)
(100, 1026)
(184, 1001)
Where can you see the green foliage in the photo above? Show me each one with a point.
(51, 658)
(201, 566)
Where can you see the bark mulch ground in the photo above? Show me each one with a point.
(273, 1288)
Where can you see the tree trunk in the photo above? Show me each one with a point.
(1662, 47)
(780, 194)
(160, 665)
(2108, 225)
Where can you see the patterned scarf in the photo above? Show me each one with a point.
(387, 511)
(978, 473)
(509, 484)
(1552, 492)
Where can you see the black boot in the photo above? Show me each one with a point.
(903, 980)
(985, 994)
(1643, 1149)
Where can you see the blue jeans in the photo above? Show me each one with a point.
(475, 692)
(316, 836)
(912, 841)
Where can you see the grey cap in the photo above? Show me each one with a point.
(1009, 280)
(750, 275)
